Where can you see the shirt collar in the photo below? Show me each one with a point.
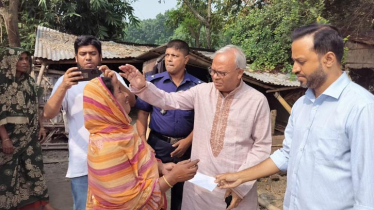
(334, 90)
(237, 89)
(187, 77)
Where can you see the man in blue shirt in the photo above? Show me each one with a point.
(329, 139)
(171, 131)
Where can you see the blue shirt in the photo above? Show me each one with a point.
(174, 123)
(328, 150)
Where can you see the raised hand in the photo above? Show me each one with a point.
(109, 73)
(133, 75)
(70, 78)
(228, 180)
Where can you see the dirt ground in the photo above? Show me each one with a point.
(55, 167)
(271, 189)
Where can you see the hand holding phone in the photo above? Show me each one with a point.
(88, 74)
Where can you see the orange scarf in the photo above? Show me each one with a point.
(122, 172)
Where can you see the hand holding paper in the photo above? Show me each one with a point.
(204, 181)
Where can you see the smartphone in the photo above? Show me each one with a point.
(228, 201)
(88, 74)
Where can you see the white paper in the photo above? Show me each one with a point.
(204, 181)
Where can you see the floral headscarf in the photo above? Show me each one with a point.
(8, 61)
(18, 97)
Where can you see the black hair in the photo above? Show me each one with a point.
(326, 38)
(179, 45)
(87, 40)
(108, 83)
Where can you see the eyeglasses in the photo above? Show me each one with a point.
(219, 73)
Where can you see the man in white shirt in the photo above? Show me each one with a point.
(328, 146)
(68, 94)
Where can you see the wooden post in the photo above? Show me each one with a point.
(283, 102)
(148, 65)
(273, 118)
(41, 72)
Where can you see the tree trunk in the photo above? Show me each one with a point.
(205, 21)
(196, 35)
(208, 37)
(208, 26)
(10, 16)
(197, 42)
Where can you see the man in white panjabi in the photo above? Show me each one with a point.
(231, 130)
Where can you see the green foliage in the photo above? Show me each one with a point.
(351, 17)
(346, 49)
(150, 31)
(189, 28)
(264, 32)
(3, 34)
(105, 19)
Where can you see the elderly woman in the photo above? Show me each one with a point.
(123, 173)
(22, 183)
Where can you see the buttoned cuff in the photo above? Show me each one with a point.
(280, 159)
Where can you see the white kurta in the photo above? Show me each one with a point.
(230, 134)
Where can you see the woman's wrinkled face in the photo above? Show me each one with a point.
(122, 97)
(23, 64)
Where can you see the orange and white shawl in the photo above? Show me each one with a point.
(122, 172)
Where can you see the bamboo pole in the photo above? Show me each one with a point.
(41, 72)
(273, 119)
(281, 89)
(283, 102)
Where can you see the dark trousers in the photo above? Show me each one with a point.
(163, 150)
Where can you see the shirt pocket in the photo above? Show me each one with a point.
(187, 114)
(327, 144)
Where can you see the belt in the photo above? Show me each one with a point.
(168, 139)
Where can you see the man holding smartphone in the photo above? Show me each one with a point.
(68, 94)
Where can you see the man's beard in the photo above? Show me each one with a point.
(316, 79)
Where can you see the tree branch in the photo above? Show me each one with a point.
(10, 16)
(3, 10)
(202, 19)
(209, 11)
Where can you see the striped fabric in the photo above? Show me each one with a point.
(122, 172)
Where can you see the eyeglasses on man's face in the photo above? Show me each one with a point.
(219, 73)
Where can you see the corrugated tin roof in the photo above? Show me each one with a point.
(54, 45)
(366, 37)
(206, 54)
(275, 79)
